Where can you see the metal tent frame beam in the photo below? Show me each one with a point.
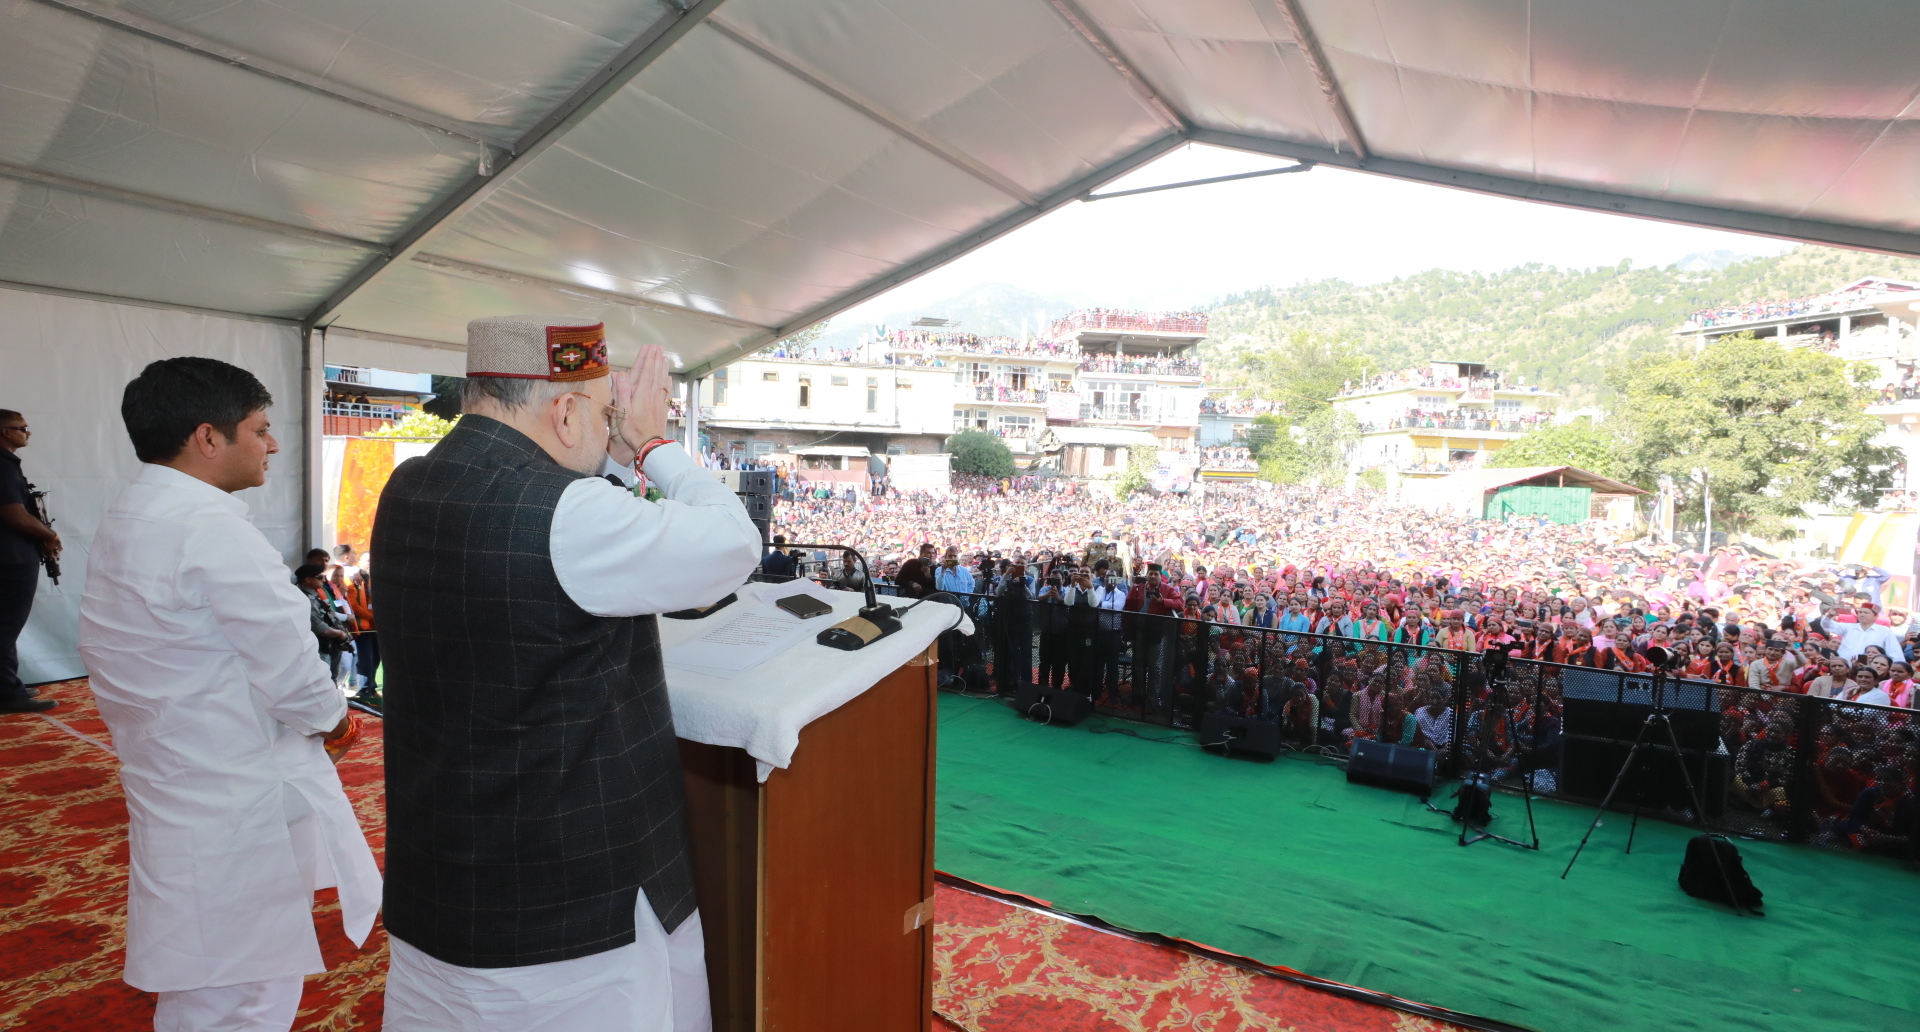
(927, 263)
(600, 87)
(1323, 74)
(54, 180)
(1305, 166)
(180, 39)
(872, 111)
(455, 265)
(1863, 238)
(1070, 12)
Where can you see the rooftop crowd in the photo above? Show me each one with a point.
(1429, 376)
(1356, 566)
(1124, 319)
(1753, 311)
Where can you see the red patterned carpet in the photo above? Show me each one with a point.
(63, 884)
(1000, 967)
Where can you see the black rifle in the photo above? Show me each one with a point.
(37, 507)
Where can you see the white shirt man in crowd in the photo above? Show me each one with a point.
(1865, 630)
(199, 650)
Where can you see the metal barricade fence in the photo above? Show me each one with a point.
(1766, 764)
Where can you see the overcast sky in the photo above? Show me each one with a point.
(1183, 248)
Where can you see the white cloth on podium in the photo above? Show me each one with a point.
(763, 709)
(657, 983)
(266, 1006)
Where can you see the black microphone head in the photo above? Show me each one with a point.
(1660, 656)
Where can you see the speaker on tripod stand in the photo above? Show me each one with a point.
(1713, 868)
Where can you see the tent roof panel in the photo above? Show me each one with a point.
(499, 65)
(435, 304)
(790, 160)
(61, 239)
(80, 100)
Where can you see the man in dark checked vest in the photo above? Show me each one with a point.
(537, 870)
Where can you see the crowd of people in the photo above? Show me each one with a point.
(1429, 376)
(1125, 319)
(1753, 311)
(1250, 583)
(1228, 456)
(1142, 365)
(1240, 406)
(1464, 419)
(912, 341)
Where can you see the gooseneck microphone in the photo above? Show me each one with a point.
(876, 619)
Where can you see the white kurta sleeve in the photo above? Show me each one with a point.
(266, 620)
(618, 555)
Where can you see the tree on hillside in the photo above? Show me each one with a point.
(1772, 429)
(795, 343)
(1301, 371)
(976, 451)
(417, 426)
(1578, 443)
(1559, 328)
(1314, 450)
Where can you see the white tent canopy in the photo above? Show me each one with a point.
(712, 178)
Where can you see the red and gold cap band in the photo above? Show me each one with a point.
(535, 348)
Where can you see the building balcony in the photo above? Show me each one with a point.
(1119, 414)
(1006, 395)
(1141, 366)
(1468, 424)
(363, 410)
(1144, 322)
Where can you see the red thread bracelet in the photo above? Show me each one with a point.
(640, 457)
(339, 746)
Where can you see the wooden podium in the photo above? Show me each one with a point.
(816, 886)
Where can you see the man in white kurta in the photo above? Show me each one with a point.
(201, 656)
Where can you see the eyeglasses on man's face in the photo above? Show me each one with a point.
(614, 414)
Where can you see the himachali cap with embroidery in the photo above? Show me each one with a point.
(530, 347)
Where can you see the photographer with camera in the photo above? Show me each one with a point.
(25, 542)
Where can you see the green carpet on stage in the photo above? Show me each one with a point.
(1286, 863)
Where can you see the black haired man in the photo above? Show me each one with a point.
(201, 653)
(23, 540)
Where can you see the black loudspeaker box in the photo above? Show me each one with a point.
(1622, 722)
(1052, 705)
(1588, 767)
(1389, 765)
(1249, 735)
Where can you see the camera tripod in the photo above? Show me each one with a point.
(1661, 717)
(1480, 782)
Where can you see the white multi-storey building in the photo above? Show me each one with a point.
(765, 406)
(906, 391)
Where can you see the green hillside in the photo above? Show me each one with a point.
(1561, 328)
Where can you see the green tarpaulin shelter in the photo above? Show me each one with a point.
(1559, 504)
